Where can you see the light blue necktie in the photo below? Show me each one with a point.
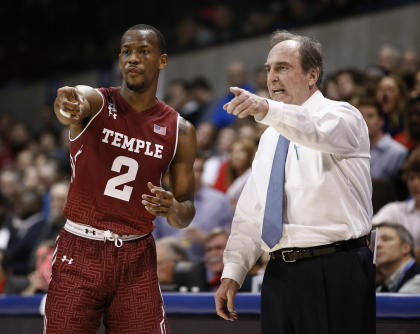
(273, 214)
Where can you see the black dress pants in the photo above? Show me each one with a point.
(329, 294)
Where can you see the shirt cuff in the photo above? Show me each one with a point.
(234, 271)
(274, 114)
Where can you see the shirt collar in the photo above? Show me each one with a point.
(393, 281)
(314, 100)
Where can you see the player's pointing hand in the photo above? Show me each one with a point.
(71, 103)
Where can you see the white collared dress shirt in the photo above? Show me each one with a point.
(403, 213)
(327, 192)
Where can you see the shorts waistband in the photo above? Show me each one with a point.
(93, 233)
(296, 254)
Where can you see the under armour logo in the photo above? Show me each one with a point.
(65, 259)
(112, 111)
(92, 231)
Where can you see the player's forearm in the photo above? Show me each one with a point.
(181, 213)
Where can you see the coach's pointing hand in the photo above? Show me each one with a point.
(245, 104)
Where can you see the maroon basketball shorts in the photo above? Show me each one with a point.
(92, 279)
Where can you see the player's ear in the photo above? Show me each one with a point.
(163, 61)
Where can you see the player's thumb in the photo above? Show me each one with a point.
(150, 186)
(236, 90)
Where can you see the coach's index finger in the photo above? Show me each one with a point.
(236, 91)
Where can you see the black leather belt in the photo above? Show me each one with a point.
(296, 254)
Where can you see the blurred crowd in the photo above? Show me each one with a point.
(84, 35)
(35, 175)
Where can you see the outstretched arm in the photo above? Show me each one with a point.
(177, 205)
(75, 104)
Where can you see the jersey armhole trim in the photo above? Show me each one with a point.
(176, 139)
(93, 117)
(175, 148)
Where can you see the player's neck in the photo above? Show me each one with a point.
(139, 101)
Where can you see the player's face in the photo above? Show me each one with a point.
(140, 59)
(286, 80)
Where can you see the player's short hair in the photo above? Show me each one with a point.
(159, 35)
(310, 50)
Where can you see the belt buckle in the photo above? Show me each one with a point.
(284, 258)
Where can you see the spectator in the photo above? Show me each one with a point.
(386, 154)
(397, 269)
(10, 185)
(20, 137)
(180, 99)
(191, 34)
(212, 210)
(406, 213)
(238, 164)
(260, 78)
(388, 58)
(409, 66)
(168, 253)
(237, 77)
(224, 141)
(349, 84)
(201, 92)
(55, 218)
(206, 134)
(373, 74)
(392, 97)
(330, 87)
(410, 138)
(215, 245)
(17, 259)
(224, 26)
(24, 160)
(250, 130)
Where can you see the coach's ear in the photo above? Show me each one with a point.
(313, 75)
(163, 61)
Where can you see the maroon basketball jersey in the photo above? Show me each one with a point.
(113, 158)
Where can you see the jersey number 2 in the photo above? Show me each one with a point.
(111, 190)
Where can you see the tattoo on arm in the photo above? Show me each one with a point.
(183, 127)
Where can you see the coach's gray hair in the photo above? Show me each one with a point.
(404, 235)
(310, 51)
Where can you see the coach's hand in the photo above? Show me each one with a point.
(246, 104)
(225, 299)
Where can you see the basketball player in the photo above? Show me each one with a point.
(122, 142)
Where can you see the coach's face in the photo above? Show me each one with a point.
(140, 59)
(286, 80)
